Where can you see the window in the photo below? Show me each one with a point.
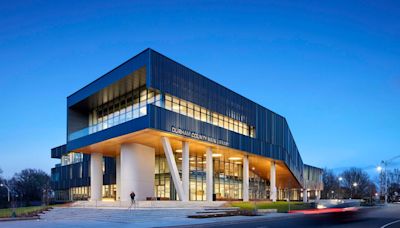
(71, 158)
(200, 113)
(124, 108)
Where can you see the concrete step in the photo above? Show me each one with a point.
(115, 215)
(148, 204)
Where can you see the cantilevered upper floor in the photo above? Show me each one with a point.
(152, 95)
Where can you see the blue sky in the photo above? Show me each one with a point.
(332, 68)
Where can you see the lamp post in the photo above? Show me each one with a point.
(384, 180)
(355, 184)
(9, 199)
(340, 181)
(8, 191)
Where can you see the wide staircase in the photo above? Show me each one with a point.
(148, 214)
(149, 204)
(114, 215)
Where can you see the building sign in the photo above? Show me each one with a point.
(198, 136)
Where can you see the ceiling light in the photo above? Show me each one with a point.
(178, 151)
(214, 155)
(191, 159)
(235, 158)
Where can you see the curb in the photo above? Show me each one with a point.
(19, 219)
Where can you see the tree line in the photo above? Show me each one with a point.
(28, 187)
(356, 183)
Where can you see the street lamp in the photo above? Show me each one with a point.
(380, 170)
(339, 193)
(384, 179)
(8, 191)
(355, 184)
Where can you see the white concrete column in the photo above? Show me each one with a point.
(209, 175)
(245, 178)
(305, 195)
(185, 170)
(272, 182)
(317, 195)
(172, 167)
(137, 171)
(71, 196)
(96, 176)
(118, 176)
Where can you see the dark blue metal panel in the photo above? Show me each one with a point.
(180, 81)
(114, 75)
(59, 151)
(62, 179)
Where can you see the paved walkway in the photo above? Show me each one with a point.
(91, 217)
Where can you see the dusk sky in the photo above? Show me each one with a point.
(331, 68)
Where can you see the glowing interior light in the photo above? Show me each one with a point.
(235, 158)
(215, 155)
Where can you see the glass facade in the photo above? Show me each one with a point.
(162, 181)
(200, 113)
(109, 191)
(258, 187)
(122, 109)
(133, 105)
(71, 158)
(80, 193)
(228, 179)
(83, 193)
(289, 193)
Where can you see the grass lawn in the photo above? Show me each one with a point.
(21, 211)
(282, 206)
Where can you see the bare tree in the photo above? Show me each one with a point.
(331, 185)
(393, 184)
(31, 185)
(3, 192)
(357, 184)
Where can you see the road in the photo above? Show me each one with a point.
(368, 217)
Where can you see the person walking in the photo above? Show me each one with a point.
(132, 195)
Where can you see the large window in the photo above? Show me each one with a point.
(122, 109)
(258, 187)
(228, 179)
(71, 158)
(162, 179)
(80, 193)
(202, 114)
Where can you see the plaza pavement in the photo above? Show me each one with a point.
(143, 217)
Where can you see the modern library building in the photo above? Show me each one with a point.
(157, 128)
